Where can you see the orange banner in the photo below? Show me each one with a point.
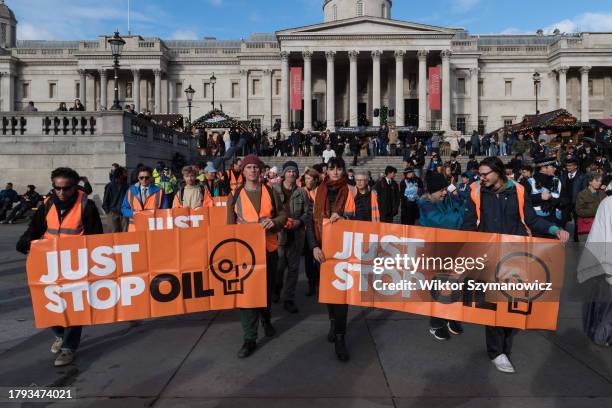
(201, 218)
(356, 272)
(118, 277)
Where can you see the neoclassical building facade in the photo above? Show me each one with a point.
(356, 61)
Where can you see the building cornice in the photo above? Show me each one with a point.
(363, 37)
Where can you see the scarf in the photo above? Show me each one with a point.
(64, 206)
(322, 209)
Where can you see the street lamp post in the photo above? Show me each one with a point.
(536, 85)
(213, 81)
(116, 43)
(189, 93)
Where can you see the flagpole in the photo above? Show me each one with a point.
(129, 18)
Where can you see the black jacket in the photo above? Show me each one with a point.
(578, 183)
(92, 224)
(388, 198)
(113, 197)
(500, 214)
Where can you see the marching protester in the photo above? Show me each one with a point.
(389, 194)
(291, 238)
(499, 205)
(587, 204)
(214, 186)
(366, 199)
(66, 212)
(439, 208)
(411, 188)
(191, 195)
(333, 201)
(113, 197)
(257, 203)
(311, 181)
(234, 175)
(143, 196)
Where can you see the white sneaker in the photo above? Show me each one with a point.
(502, 364)
(57, 345)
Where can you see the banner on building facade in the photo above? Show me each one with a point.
(434, 88)
(488, 279)
(108, 278)
(296, 88)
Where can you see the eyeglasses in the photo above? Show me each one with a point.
(485, 174)
(144, 178)
(67, 188)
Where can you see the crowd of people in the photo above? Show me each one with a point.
(291, 204)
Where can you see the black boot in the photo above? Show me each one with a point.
(331, 336)
(269, 330)
(312, 289)
(341, 350)
(247, 349)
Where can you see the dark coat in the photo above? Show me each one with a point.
(388, 198)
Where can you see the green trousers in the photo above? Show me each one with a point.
(249, 318)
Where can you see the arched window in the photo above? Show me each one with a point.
(359, 8)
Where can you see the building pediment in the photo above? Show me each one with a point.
(366, 26)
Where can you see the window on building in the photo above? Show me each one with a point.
(481, 126)
(481, 88)
(77, 90)
(25, 90)
(3, 34)
(278, 86)
(129, 90)
(235, 90)
(461, 86)
(52, 90)
(359, 8)
(507, 122)
(256, 89)
(461, 124)
(206, 94)
(335, 12)
(508, 88)
(179, 92)
(596, 87)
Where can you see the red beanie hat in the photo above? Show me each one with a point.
(251, 159)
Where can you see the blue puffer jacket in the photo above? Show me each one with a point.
(447, 213)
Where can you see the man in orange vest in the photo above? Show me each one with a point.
(254, 203)
(234, 175)
(366, 199)
(499, 205)
(66, 213)
(143, 196)
(334, 201)
(191, 195)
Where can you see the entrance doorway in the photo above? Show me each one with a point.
(411, 110)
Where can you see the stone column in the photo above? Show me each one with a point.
(376, 85)
(136, 89)
(8, 91)
(474, 98)
(244, 94)
(584, 93)
(82, 89)
(353, 78)
(157, 73)
(552, 91)
(446, 90)
(562, 87)
(331, 91)
(422, 56)
(307, 55)
(285, 92)
(267, 84)
(171, 95)
(103, 89)
(399, 88)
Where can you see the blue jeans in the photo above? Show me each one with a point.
(502, 148)
(70, 335)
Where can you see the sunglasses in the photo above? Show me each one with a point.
(67, 188)
(144, 178)
(485, 174)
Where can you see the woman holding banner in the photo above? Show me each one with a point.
(499, 205)
(256, 203)
(334, 201)
(441, 208)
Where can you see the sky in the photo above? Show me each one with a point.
(235, 19)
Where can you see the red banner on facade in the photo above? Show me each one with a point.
(296, 88)
(434, 88)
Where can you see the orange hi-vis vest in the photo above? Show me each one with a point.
(311, 194)
(207, 200)
(235, 182)
(246, 214)
(520, 195)
(72, 223)
(349, 205)
(373, 202)
(153, 202)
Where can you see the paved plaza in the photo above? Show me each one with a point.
(190, 360)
